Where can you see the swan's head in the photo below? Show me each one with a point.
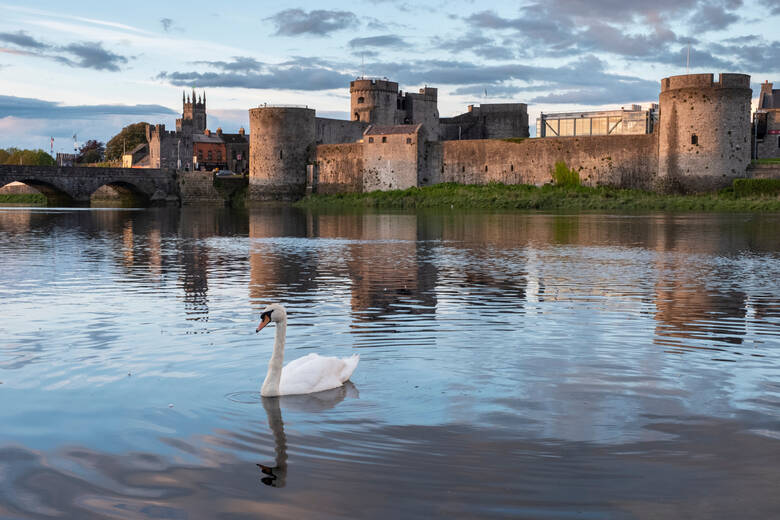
(273, 312)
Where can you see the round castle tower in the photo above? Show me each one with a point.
(281, 144)
(704, 136)
(373, 101)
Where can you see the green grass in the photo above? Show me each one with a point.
(23, 198)
(514, 139)
(548, 197)
(756, 187)
(775, 160)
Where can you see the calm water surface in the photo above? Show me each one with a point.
(512, 365)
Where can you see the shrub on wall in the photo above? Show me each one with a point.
(563, 176)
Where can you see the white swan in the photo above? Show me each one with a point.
(306, 375)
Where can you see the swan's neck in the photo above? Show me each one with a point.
(274, 375)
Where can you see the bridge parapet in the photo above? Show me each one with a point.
(78, 183)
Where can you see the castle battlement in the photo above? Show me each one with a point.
(725, 80)
(373, 84)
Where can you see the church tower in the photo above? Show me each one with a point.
(194, 112)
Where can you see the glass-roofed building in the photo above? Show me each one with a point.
(633, 120)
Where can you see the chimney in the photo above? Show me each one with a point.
(219, 130)
(241, 131)
(207, 132)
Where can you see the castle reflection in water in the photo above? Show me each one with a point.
(397, 264)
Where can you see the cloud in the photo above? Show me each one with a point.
(92, 55)
(629, 29)
(476, 43)
(294, 22)
(587, 74)
(773, 6)
(32, 108)
(495, 91)
(385, 40)
(710, 17)
(88, 55)
(166, 23)
(239, 64)
(591, 96)
(298, 73)
(22, 39)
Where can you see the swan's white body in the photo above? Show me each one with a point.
(306, 375)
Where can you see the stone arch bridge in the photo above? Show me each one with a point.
(75, 185)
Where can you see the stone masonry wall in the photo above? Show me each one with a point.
(629, 161)
(769, 146)
(704, 130)
(390, 162)
(197, 187)
(339, 168)
(334, 131)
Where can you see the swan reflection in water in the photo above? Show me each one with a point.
(276, 475)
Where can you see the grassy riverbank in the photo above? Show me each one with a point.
(33, 199)
(549, 197)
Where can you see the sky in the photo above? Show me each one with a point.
(89, 68)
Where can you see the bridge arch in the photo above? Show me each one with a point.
(54, 195)
(119, 194)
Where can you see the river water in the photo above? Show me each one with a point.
(513, 365)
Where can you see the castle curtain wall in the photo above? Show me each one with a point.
(339, 168)
(628, 161)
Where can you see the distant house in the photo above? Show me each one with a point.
(208, 151)
(236, 150)
(766, 129)
(138, 157)
(66, 159)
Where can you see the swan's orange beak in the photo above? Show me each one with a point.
(266, 321)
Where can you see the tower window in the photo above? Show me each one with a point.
(370, 139)
(694, 139)
(281, 154)
(408, 140)
(511, 167)
(778, 142)
(384, 139)
(357, 116)
(486, 167)
(361, 99)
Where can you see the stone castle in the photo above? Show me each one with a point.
(698, 137)
(701, 141)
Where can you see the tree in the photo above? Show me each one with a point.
(91, 152)
(124, 142)
(26, 157)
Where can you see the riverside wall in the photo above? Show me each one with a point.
(628, 161)
(197, 187)
(339, 168)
